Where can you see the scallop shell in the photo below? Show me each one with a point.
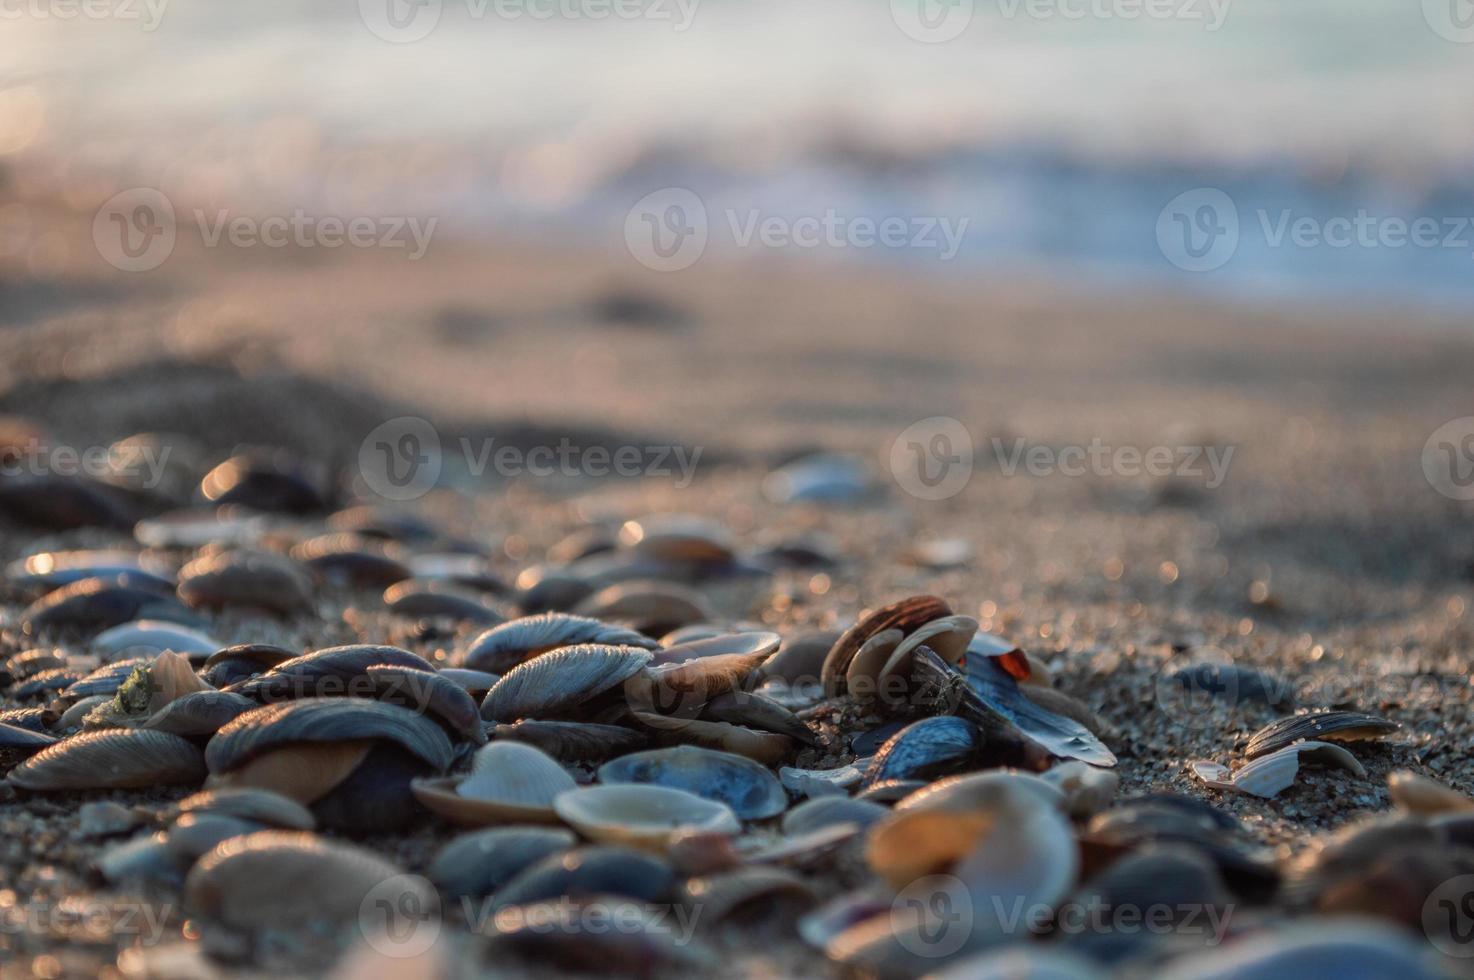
(504, 647)
(114, 758)
(1323, 726)
(281, 879)
(1268, 775)
(750, 789)
(558, 682)
(480, 862)
(641, 815)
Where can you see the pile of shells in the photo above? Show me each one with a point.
(593, 732)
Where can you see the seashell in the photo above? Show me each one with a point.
(29, 664)
(480, 862)
(820, 782)
(428, 693)
(1087, 790)
(947, 637)
(751, 790)
(504, 647)
(826, 811)
(371, 521)
(652, 608)
(325, 720)
(352, 560)
(45, 683)
(1061, 704)
(1323, 726)
(1176, 877)
(1235, 684)
(145, 858)
(1397, 884)
(748, 892)
(822, 925)
(825, 478)
(556, 683)
(903, 942)
(926, 748)
(545, 590)
(257, 805)
(243, 578)
(807, 848)
(31, 719)
(765, 747)
(76, 716)
(469, 570)
(573, 741)
(678, 538)
(861, 680)
(147, 690)
(334, 671)
(111, 759)
(684, 688)
(807, 551)
(1419, 794)
(199, 714)
(756, 711)
(201, 528)
(107, 819)
(420, 599)
(60, 502)
(474, 682)
(509, 782)
(276, 879)
(982, 791)
(1323, 947)
(800, 659)
(1268, 775)
(745, 643)
(49, 570)
(105, 680)
(907, 615)
(154, 636)
(940, 554)
(94, 604)
(591, 539)
(559, 934)
(267, 481)
(702, 852)
(641, 815)
(890, 791)
(587, 871)
(15, 740)
(196, 834)
(232, 665)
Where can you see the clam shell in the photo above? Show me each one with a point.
(1268, 775)
(573, 741)
(195, 834)
(236, 663)
(558, 682)
(1087, 790)
(429, 693)
(930, 747)
(826, 811)
(684, 688)
(750, 789)
(643, 944)
(746, 643)
(199, 713)
(1322, 947)
(145, 858)
(266, 480)
(800, 659)
(764, 747)
(326, 720)
(678, 538)
(15, 738)
(113, 758)
(501, 648)
(1418, 794)
(755, 711)
(30, 663)
(305, 772)
(434, 599)
(590, 871)
(652, 608)
(480, 862)
(510, 781)
(641, 815)
(256, 805)
(155, 635)
(862, 678)
(244, 578)
(1323, 726)
(94, 604)
(947, 637)
(982, 791)
(353, 560)
(334, 671)
(906, 615)
(283, 879)
(720, 896)
(820, 782)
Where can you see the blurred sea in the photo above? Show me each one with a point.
(1058, 129)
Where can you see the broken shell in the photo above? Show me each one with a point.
(907, 615)
(750, 789)
(558, 682)
(115, 758)
(501, 648)
(587, 871)
(1418, 794)
(826, 811)
(1323, 726)
(573, 741)
(745, 643)
(1270, 774)
(641, 815)
(684, 688)
(927, 748)
(756, 711)
(243, 578)
(748, 891)
(282, 879)
(480, 862)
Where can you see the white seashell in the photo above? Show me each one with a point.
(641, 815)
(1269, 775)
(947, 637)
(983, 791)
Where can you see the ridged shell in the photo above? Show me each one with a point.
(236, 663)
(827, 811)
(331, 671)
(556, 683)
(510, 781)
(640, 815)
(1323, 726)
(750, 789)
(114, 758)
(1087, 790)
(429, 692)
(480, 862)
(326, 720)
(501, 648)
(684, 688)
(907, 615)
(293, 880)
(15, 738)
(573, 741)
(199, 713)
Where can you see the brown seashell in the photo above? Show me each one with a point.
(1322, 726)
(907, 615)
(1419, 794)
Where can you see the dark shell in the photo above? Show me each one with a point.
(333, 671)
(800, 659)
(420, 599)
(113, 758)
(369, 521)
(29, 664)
(326, 720)
(376, 797)
(750, 789)
(64, 502)
(1173, 875)
(907, 615)
(826, 811)
(199, 713)
(558, 682)
(551, 590)
(31, 719)
(480, 862)
(352, 560)
(501, 648)
(105, 679)
(258, 805)
(45, 684)
(13, 738)
(42, 572)
(235, 664)
(1322, 726)
(590, 871)
(644, 945)
(241, 578)
(756, 711)
(96, 603)
(265, 481)
(474, 682)
(573, 741)
(926, 749)
(427, 692)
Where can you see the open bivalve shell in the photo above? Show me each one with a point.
(641, 815)
(510, 782)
